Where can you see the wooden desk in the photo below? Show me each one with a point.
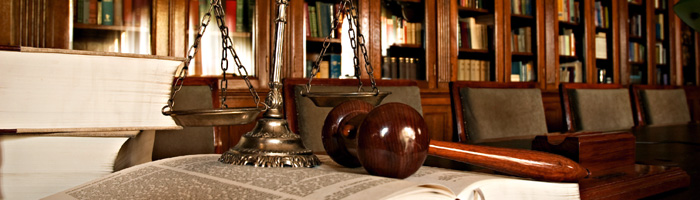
(660, 153)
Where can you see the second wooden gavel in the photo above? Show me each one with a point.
(392, 140)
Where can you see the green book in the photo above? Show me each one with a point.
(312, 21)
(250, 15)
(107, 12)
(239, 16)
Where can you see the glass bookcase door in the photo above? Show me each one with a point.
(240, 21)
(572, 62)
(604, 40)
(121, 26)
(637, 42)
(475, 41)
(337, 62)
(403, 49)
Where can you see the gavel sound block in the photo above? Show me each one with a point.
(392, 140)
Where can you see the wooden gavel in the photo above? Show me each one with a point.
(392, 140)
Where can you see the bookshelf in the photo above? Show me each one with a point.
(475, 26)
(402, 36)
(606, 22)
(571, 31)
(318, 18)
(662, 70)
(638, 43)
(121, 26)
(524, 40)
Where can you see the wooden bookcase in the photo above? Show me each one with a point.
(478, 40)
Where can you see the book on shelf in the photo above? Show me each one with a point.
(400, 68)
(637, 52)
(601, 46)
(114, 12)
(521, 7)
(231, 9)
(660, 57)
(602, 16)
(568, 11)
(567, 43)
(307, 25)
(324, 69)
(660, 26)
(571, 72)
(196, 175)
(660, 4)
(472, 35)
(472, 70)
(118, 12)
(313, 21)
(479, 4)
(521, 40)
(522, 71)
(107, 12)
(334, 66)
(396, 30)
(636, 27)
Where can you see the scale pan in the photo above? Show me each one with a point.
(214, 117)
(332, 99)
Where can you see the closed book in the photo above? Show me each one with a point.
(324, 69)
(313, 21)
(231, 14)
(118, 12)
(99, 12)
(250, 15)
(107, 12)
(92, 12)
(334, 66)
(309, 68)
(515, 71)
(127, 10)
(240, 5)
(322, 19)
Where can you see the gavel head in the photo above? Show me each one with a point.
(390, 140)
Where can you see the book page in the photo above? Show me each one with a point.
(204, 177)
(476, 185)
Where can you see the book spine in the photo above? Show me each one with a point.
(319, 18)
(335, 66)
(231, 14)
(118, 12)
(107, 12)
(127, 8)
(99, 12)
(313, 21)
(307, 27)
(240, 5)
(249, 15)
(79, 7)
(92, 12)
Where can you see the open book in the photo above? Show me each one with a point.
(203, 177)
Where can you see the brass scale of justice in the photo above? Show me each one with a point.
(389, 140)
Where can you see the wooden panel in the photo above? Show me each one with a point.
(623, 56)
(439, 122)
(552, 111)
(551, 46)
(35, 23)
(446, 34)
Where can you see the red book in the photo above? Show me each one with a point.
(127, 9)
(93, 12)
(231, 15)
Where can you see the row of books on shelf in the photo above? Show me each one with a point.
(471, 3)
(602, 15)
(401, 68)
(239, 14)
(111, 12)
(567, 43)
(660, 4)
(523, 71)
(521, 7)
(473, 70)
(568, 11)
(329, 67)
(637, 52)
(635, 1)
(472, 35)
(521, 40)
(661, 57)
(396, 30)
(571, 72)
(318, 19)
(636, 27)
(660, 27)
(601, 45)
(662, 77)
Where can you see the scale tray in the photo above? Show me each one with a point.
(332, 99)
(215, 117)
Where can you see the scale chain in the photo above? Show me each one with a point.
(351, 13)
(326, 44)
(191, 52)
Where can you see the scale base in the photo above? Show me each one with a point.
(270, 144)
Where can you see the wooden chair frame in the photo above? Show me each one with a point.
(567, 112)
(637, 107)
(290, 109)
(458, 118)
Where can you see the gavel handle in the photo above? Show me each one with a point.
(524, 163)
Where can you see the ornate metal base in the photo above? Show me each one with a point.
(270, 144)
